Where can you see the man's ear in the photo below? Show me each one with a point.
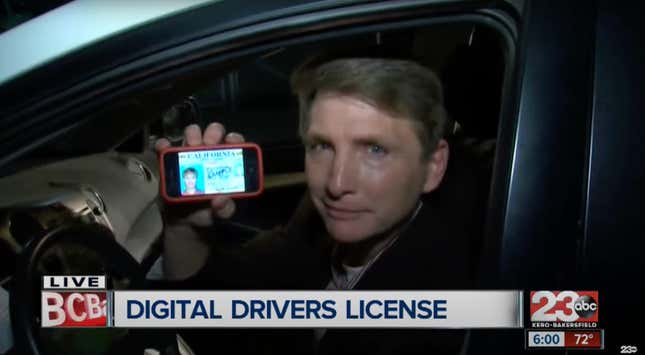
(436, 166)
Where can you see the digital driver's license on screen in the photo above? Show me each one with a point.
(211, 171)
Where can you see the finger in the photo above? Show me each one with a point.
(227, 211)
(214, 133)
(192, 135)
(223, 206)
(218, 202)
(161, 144)
(234, 137)
(201, 218)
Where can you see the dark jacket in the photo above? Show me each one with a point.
(431, 253)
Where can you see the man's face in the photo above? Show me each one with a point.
(189, 180)
(364, 167)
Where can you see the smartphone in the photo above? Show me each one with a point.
(199, 173)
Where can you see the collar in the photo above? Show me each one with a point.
(339, 277)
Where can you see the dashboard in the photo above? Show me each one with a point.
(115, 191)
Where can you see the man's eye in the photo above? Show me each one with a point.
(376, 149)
(319, 146)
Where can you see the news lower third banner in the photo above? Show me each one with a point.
(312, 309)
(85, 301)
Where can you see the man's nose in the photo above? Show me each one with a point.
(343, 174)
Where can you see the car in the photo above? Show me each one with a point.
(546, 96)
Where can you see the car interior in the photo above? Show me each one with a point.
(88, 201)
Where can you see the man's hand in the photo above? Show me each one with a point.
(185, 250)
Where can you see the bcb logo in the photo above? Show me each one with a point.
(564, 306)
(74, 309)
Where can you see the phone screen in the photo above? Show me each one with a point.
(211, 171)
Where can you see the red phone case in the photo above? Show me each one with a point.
(194, 198)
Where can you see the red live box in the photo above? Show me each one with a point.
(583, 339)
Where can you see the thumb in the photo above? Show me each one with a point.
(223, 207)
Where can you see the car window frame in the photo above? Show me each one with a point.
(175, 61)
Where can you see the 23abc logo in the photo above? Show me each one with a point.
(564, 306)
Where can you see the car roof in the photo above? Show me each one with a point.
(74, 26)
(49, 95)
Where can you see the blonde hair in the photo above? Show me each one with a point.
(400, 87)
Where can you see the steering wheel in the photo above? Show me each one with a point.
(72, 249)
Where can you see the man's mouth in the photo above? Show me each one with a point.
(342, 212)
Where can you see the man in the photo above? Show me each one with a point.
(190, 182)
(372, 130)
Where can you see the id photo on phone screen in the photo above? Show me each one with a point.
(192, 181)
